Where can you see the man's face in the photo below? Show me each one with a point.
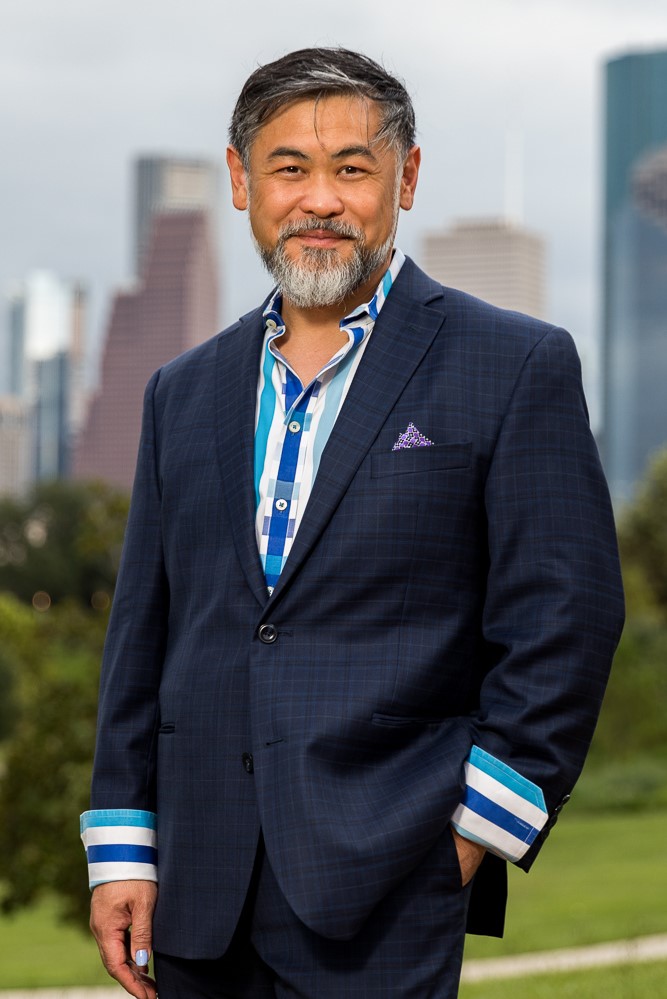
(323, 197)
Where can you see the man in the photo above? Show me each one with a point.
(368, 600)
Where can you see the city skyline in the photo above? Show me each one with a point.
(96, 97)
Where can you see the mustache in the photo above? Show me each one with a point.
(343, 229)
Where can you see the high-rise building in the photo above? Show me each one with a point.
(45, 369)
(635, 267)
(15, 425)
(174, 308)
(494, 259)
(166, 183)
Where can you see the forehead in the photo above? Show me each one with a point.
(328, 123)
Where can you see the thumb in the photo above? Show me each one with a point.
(141, 938)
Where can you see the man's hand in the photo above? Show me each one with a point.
(470, 856)
(115, 907)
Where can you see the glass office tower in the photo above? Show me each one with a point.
(635, 268)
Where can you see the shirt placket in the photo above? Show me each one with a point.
(286, 495)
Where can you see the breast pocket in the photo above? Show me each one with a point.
(421, 459)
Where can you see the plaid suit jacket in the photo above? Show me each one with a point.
(435, 598)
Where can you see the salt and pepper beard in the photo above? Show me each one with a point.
(319, 278)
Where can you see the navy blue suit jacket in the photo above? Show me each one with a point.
(435, 598)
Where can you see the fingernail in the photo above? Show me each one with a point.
(141, 958)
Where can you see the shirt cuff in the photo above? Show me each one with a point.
(500, 809)
(121, 845)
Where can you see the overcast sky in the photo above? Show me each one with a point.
(85, 87)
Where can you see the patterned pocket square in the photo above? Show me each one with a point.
(411, 438)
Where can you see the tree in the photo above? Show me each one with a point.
(59, 554)
(16, 646)
(63, 540)
(48, 759)
(643, 541)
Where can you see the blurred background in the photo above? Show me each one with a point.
(543, 127)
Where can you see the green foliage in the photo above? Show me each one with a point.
(47, 764)
(643, 537)
(627, 766)
(17, 648)
(634, 785)
(8, 681)
(634, 715)
(64, 540)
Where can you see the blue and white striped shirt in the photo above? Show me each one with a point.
(294, 421)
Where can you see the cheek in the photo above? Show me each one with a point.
(268, 211)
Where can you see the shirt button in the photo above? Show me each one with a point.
(271, 324)
(269, 590)
(294, 427)
(248, 763)
(267, 633)
(281, 504)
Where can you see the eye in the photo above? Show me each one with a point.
(351, 171)
(291, 170)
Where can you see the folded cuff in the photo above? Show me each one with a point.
(500, 809)
(121, 845)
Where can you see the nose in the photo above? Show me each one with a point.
(321, 198)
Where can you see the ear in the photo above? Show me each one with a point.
(237, 175)
(409, 178)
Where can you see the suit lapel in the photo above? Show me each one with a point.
(404, 331)
(238, 361)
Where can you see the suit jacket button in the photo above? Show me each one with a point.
(267, 633)
(248, 763)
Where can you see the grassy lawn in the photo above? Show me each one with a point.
(629, 981)
(598, 878)
(37, 951)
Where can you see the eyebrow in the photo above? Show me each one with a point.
(288, 151)
(354, 151)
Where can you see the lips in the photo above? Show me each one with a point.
(320, 236)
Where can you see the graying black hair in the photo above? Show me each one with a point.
(318, 73)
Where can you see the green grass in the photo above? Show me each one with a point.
(627, 981)
(37, 951)
(598, 878)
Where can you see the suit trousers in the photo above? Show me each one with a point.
(410, 947)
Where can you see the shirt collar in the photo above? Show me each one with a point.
(358, 323)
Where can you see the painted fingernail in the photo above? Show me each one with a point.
(141, 958)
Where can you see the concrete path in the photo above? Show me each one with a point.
(619, 952)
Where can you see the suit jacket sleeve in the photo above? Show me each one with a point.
(119, 832)
(553, 610)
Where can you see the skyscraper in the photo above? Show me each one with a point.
(15, 426)
(635, 267)
(166, 183)
(494, 259)
(174, 308)
(46, 348)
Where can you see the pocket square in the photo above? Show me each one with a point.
(411, 438)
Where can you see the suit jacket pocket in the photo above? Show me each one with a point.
(402, 721)
(421, 459)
